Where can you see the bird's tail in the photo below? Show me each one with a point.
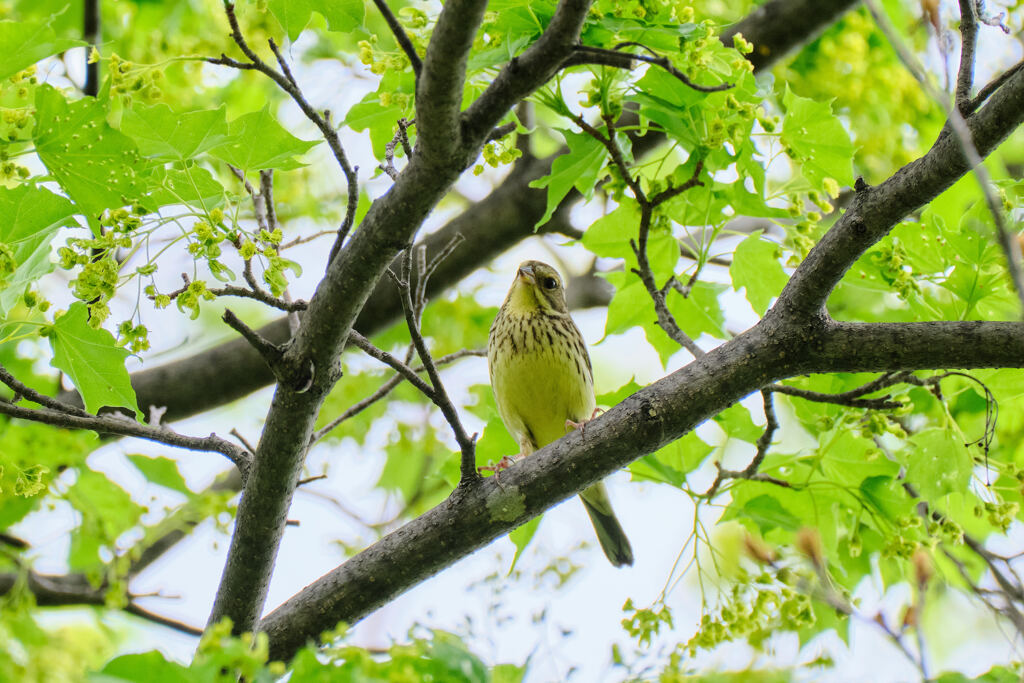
(609, 532)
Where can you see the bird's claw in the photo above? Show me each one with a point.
(503, 464)
(582, 424)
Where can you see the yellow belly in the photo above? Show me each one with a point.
(539, 382)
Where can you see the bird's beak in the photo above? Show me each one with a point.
(526, 273)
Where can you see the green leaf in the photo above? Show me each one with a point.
(937, 463)
(92, 360)
(768, 513)
(735, 421)
(97, 166)
(162, 471)
(630, 306)
(259, 142)
(495, 443)
(107, 512)
(887, 497)
(578, 168)
(29, 219)
(494, 57)
(22, 44)
(817, 140)
(672, 105)
(521, 537)
(194, 186)
(700, 312)
(609, 235)
(147, 666)
(342, 15)
(161, 133)
(848, 458)
(755, 267)
(613, 398)
(671, 464)
(662, 255)
(508, 673)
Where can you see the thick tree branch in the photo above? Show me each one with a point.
(61, 590)
(778, 26)
(528, 71)
(439, 87)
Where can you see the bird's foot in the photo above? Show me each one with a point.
(497, 467)
(582, 424)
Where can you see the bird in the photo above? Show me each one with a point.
(543, 383)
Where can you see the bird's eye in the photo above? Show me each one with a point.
(550, 283)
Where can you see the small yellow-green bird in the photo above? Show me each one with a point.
(543, 382)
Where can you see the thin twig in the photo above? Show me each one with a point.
(853, 397)
(142, 613)
(241, 439)
(287, 83)
(386, 389)
(258, 203)
(267, 192)
(764, 442)
(293, 316)
(254, 291)
(24, 391)
(435, 262)
(498, 132)
(302, 240)
(665, 318)
(123, 426)
(260, 295)
(968, 46)
(989, 88)
(401, 37)
(647, 205)
(270, 352)
(401, 137)
(365, 345)
(582, 52)
(467, 444)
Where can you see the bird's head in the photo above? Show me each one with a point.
(537, 288)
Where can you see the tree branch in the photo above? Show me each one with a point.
(642, 423)
(968, 47)
(876, 209)
(584, 53)
(440, 83)
(123, 426)
(92, 19)
(467, 444)
(527, 72)
(76, 589)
